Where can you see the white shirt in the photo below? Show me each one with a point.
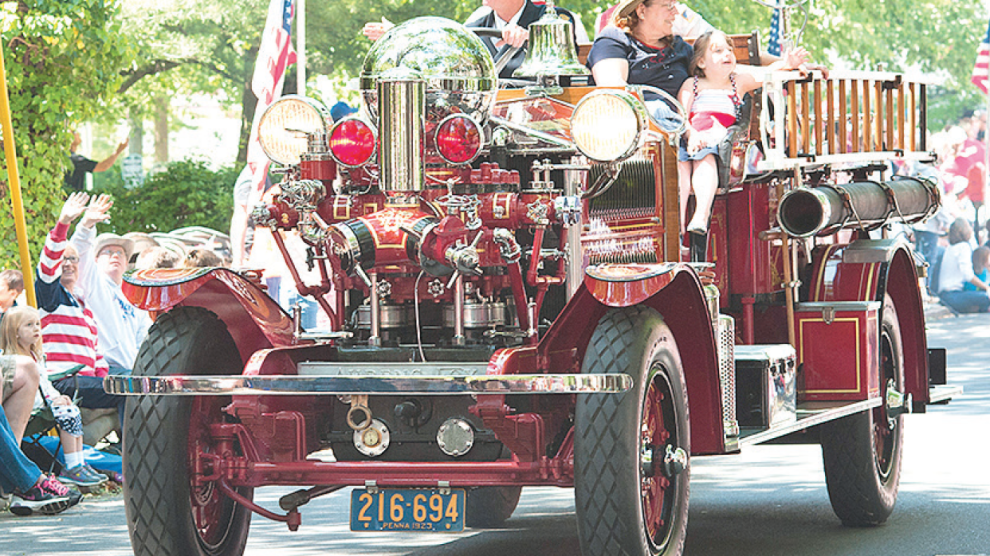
(121, 327)
(957, 267)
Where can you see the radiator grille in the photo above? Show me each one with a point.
(633, 195)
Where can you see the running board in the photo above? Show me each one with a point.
(943, 394)
(809, 414)
(289, 385)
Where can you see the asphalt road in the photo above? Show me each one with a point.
(769, 500)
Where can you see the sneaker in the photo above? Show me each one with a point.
(48, 496)
(79, 476)
(94, 474)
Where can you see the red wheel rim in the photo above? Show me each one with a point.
(210, 508)
(659, 430)
(884, 429)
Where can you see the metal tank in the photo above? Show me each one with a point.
(457, 68)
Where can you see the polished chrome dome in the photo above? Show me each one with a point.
(457, 67)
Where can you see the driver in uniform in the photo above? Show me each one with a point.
(512, 17)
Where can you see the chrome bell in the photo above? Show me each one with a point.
(551, 48)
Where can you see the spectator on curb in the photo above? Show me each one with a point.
(20, 387)
(957, 270)
(75, 179)
(200, 258)
(156, 256)
(11, 286)
(20, 334)
(981, 268)
(121, 327)
(32, 491)
(68, 329)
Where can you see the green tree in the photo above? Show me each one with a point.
(63, 60)
(184, 193)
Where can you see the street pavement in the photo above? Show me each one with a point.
(766, 501)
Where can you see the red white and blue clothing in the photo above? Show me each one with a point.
(68, 329)
(708, 107)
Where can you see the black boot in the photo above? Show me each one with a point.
(699, 247)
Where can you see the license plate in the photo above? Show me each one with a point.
(422, 510)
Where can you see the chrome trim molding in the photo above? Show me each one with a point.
(177, 385)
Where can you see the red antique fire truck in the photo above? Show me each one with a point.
(507, 304)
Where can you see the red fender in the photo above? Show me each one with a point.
(254, 320)
(865, 270)
(675, 292)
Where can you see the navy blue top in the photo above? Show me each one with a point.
(664, 68)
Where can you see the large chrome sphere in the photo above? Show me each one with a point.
(458, 69)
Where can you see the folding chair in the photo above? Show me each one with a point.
(42, 423)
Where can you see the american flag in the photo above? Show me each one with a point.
(774, 46)
(274, 54)
(981, 77)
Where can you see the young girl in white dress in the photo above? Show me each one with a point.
(712, 99)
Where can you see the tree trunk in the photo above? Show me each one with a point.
(249, 102)
(161, 129)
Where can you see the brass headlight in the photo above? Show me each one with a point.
(287, 124)
(608, 125)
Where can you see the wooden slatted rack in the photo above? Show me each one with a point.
(851, 117)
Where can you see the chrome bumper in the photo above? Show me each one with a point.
(288, 385)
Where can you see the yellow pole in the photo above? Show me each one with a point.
(15, 185)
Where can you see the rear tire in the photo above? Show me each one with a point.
(862, 452)
(490, 506)
(626, 505)
(167, 514)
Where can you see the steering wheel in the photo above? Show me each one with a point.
(504, 56)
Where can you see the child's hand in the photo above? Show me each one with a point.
(696, 142)
(97, 211)
(62, 400)
(74, 206)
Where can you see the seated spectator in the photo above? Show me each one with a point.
(156, 256)
(981, 268)
(20, 333)
(20, 387)
(121, 327)
(202, 258)
(68, 329)
(957, 271)
(11, 286)
(141, 242)
(32, 490)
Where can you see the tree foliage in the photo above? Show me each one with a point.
(185, 193)
(63, 61)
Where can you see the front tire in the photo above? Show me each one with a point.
(168, 512)
(629, 501)
(862, 452)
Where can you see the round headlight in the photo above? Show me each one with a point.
(608, 125)
(286, 125)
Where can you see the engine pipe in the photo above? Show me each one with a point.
(316, 292)
(402, 108)
(822, 210)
